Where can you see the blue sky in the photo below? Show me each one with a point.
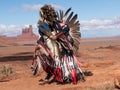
(97, 17)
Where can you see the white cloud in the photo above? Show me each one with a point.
(14, 30)
(96, 24)
(10, 30)
(58, 7)
(27, 7)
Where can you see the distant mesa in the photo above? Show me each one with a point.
(26, 37)
(27, 34)
(27, 30)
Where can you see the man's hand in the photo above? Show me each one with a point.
(53, 37)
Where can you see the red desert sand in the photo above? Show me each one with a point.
(101, 56)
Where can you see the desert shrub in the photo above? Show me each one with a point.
(6, 72)
(104, 86)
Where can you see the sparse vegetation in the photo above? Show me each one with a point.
(117, 82)
(108, 47)
(6, 72)
(106, 86)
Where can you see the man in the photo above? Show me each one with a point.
(58, 46)
(50, 29)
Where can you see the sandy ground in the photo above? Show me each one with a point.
(100, 56)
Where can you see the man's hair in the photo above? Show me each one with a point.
(47, 12)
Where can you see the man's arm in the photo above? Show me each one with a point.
(63, 29)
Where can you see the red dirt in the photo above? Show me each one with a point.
(100, 56)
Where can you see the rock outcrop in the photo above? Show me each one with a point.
(26, 37)
(27, 34)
